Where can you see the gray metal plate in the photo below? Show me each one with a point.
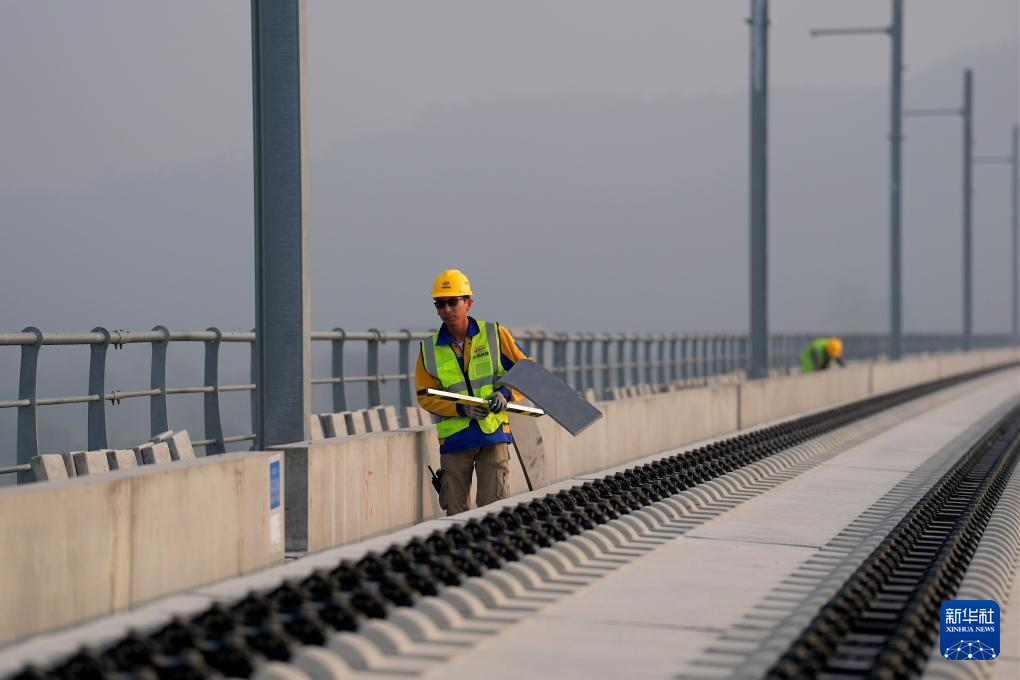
(554, 396)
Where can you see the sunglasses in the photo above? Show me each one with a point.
(443, 302)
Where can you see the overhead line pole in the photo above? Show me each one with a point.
(759, 351)
(1012, 160)
(968, 210)
(1016, 234)
(895, 32)
(967, 113)
(282, 330)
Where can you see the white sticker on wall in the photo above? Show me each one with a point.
(275, 529)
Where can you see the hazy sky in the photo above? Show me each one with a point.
(126, 142)
(108, 88)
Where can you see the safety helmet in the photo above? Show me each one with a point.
(834, 348)
(451, 283)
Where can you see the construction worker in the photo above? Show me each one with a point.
(468, 356)
(820, 354)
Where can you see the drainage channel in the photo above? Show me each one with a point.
(593, 520)
(884, 620)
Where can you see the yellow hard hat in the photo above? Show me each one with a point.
(451, 283)
(834, 348)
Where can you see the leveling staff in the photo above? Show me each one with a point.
(468, 356)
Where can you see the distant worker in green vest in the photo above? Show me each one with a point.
(820, 354)
(468, 356)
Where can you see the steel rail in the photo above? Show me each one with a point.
(884, 620)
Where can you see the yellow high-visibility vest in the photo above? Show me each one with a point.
(484, 368)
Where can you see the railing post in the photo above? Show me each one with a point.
(525, 341)
(685, 371)
(339, 393)
(406, 386)
(97, 386)
(254, 392)
(649, 378)
(539, 355)
(28, 429)
(607, 372)
(560, 357)
(621, 359)
(662, 361)
(589, 359)
(213, 423)
(158, 416)
(700, 353)
(578, 364)
(673, 372)
(692, 357)
(635, 360)
(374, 398)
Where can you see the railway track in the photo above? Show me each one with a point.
(884, 621)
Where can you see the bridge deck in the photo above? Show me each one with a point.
(700, 596)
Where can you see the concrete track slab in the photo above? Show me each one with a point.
(577, 649)
(693, 584)
(655, 616)
(807, 511)
(906, 446)
(812, 508)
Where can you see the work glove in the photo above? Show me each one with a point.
(839, 361)
(497, 402)
(473, 412)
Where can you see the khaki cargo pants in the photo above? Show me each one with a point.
(492, 463)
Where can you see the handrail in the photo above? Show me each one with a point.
(589, 361)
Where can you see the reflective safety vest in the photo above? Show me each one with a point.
(484, 368)
(814, 357)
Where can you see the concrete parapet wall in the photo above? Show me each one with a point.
(84, 547)
(634, 428)
(895, 375)
(780, 397)
(953, 363)
(348, 488)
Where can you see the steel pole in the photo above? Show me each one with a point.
(895, 198)
(282, 338)
(759, 359)
(1015, 189)
(968, 189)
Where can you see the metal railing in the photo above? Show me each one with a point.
(585, 360)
